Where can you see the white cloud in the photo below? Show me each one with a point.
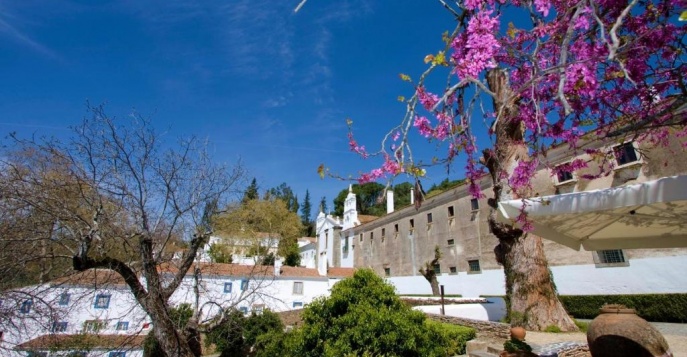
(10, 29)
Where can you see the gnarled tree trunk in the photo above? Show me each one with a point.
(431, 275)
(531, 298)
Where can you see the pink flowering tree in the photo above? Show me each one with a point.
(559, 71)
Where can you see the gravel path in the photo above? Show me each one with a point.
(675, 334)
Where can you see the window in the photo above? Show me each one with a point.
(64, 299)
(614, 256)
(244, 310)
(94, 325)
(437, 268)
(298, 288)
(258, 308)
(297, 304)
(412, 225)
(396, 230)
(345, 248)
(451, 242)
(117, 354)
(326, 238)
(383, 233)
(450, 212)
(625, 154)
(473, 266)
(429, 218)
(372, 235)
(122, 326)
(102, 301)
(227, 287)
(244, 284)
(564, 176)
(60, 326)
(452, 270)
(474, 204)
(26, 306)
(361, 237)
(387, 271)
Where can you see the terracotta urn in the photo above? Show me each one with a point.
(618, 331)
(518, 333)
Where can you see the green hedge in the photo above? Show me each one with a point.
(651, 307)
(456, 336)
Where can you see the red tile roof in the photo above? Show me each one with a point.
(246, 270)
(62, 342)
(92, 277)
(364, 218)
(340, 272)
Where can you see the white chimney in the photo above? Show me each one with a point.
(277, 267)
(389, 201)
(412, 196)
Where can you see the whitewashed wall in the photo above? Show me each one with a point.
(275, 293)
(642, 276)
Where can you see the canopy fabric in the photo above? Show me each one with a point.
(647, 215)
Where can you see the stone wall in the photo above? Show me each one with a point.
(485, 329)
(399, 243)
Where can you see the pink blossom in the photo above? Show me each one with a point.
(474, 50)
(543, 6)
(397, 135)
(523, 173)
(353, 145)
(427, 99)
(422, 125)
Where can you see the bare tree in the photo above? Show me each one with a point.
(430, 274)
(114, 196)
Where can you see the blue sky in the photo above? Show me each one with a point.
(260, 82)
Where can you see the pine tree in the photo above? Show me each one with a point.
(305, 215)
(305, 209)
(251, 192)
(323, 204)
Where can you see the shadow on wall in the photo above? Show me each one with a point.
(496, 308)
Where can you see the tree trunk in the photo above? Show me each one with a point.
(171, 341)
(431, 275)
(531, 298)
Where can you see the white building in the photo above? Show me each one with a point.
(335, 247)
(94, 313)
(243, 250)
(307, 249)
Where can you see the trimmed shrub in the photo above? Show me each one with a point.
(363, 316)
(456, 336)
(651, 307)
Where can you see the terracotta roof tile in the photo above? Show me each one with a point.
(298, 272)
(340, 272)
(62, 342)
(246, 270)
(364, 218)
(92, 277)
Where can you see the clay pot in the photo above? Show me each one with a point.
(618, 331)
(518, 333)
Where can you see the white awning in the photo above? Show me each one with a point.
(646, 215)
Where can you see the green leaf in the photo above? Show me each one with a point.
(683, 16)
